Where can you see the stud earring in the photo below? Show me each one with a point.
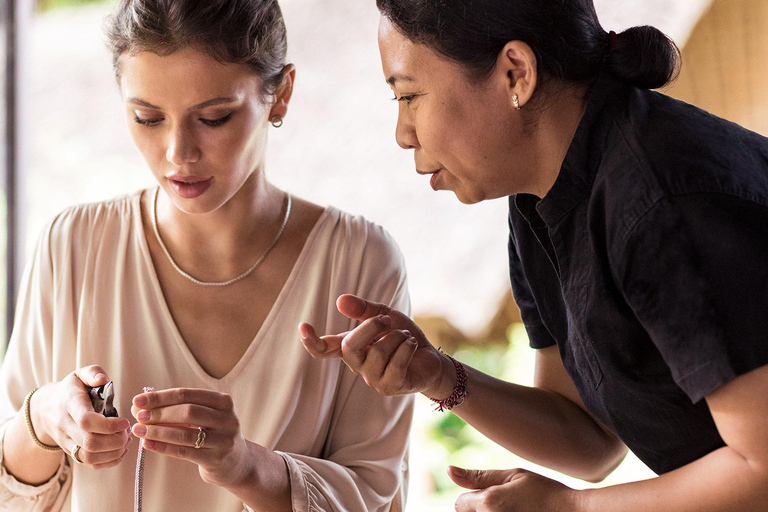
(277, 121)
(516, 101)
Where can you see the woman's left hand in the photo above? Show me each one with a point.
(513, 490)
(170, 421)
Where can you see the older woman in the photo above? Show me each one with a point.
(638, 250)
(194, 288)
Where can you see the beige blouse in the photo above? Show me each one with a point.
(91, 296)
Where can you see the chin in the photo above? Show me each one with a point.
(467, 198)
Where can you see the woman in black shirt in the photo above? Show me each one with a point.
(638, 256)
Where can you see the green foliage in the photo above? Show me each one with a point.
(48, 5)
(450, 435)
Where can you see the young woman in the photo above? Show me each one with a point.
(194, 288)
(638, 250)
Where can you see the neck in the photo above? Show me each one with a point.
(556, 125)
(223, 243)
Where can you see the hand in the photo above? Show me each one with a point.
(169, 421)
(513, 490)
(387, 349)
(62, 415)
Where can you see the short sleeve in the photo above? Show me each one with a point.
(694, 270)
(538, 335)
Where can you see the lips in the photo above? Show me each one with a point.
(189, 187)
(433, 179)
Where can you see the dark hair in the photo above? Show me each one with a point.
(565, 35)
(250, 32)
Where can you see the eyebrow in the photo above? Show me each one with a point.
(209, 103)
(399, 78)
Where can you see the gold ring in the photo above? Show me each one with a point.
(200, 438)
(74, 451)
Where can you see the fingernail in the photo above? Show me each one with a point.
(407, 334)
(385, 320)
(124, 425)
(458, 471)
(99, 376)
(139, 430)
(149, 444)
(141, 401)
(144, 415)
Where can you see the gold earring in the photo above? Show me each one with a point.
(277, 121)
(516, 101)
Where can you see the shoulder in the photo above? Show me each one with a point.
(661, 149)
(85, 225)
(361, 237)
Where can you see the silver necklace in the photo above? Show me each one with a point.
(234, 279)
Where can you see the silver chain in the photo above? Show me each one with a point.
(234, 279)
(138, 486)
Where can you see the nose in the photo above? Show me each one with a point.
(405, 133)
(182, 147)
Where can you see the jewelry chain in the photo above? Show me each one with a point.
(234, 279)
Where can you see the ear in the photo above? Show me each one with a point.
(284, 92)
(518, 64)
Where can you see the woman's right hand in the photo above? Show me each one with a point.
(387, 349)
(62, 415)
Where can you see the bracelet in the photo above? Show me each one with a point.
(28, 420)
(459, 391)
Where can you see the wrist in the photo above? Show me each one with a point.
(36, 408)
(446, 381)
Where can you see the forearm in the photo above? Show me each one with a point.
(265, 485)
(26, 461)
(721, 481)
(539, 425)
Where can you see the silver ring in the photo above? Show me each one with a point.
(74, 451)
(200, 438)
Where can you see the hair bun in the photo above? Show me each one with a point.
(644, 57)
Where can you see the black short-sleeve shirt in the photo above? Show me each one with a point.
(647, 265)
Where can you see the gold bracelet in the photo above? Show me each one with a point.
(31, 430)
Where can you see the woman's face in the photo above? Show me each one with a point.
(201, 125)
(460, 131)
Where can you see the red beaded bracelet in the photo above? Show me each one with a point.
(459, 391)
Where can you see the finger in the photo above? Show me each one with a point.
(381, 352)
(92, 376)
(357, 308)
(480, 478)
(176, 451)
(82, 414)
(324, 347)
(183, 414)
(99, 458)
(176, 396)
(393, 381)
(355, 345)
(470, 502)
(111, 464)
(179, 436)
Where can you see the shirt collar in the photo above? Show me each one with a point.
(577, 173)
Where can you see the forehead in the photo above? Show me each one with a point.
(186, 76)
(405, 61)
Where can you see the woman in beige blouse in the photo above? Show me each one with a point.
(195, 289)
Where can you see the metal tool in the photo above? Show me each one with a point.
(102, 398)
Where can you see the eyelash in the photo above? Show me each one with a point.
(407, 99)
(213, 123)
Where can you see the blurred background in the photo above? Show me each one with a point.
(65, 142)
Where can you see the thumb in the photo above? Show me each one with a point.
(92, 376)
(357, 308)
(479, 478)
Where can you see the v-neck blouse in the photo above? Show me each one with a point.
(91, 296)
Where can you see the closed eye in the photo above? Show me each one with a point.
(216, 122)
(148, 122)
(407, 98)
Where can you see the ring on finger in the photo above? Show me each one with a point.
(200, 438)
(74, 451)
